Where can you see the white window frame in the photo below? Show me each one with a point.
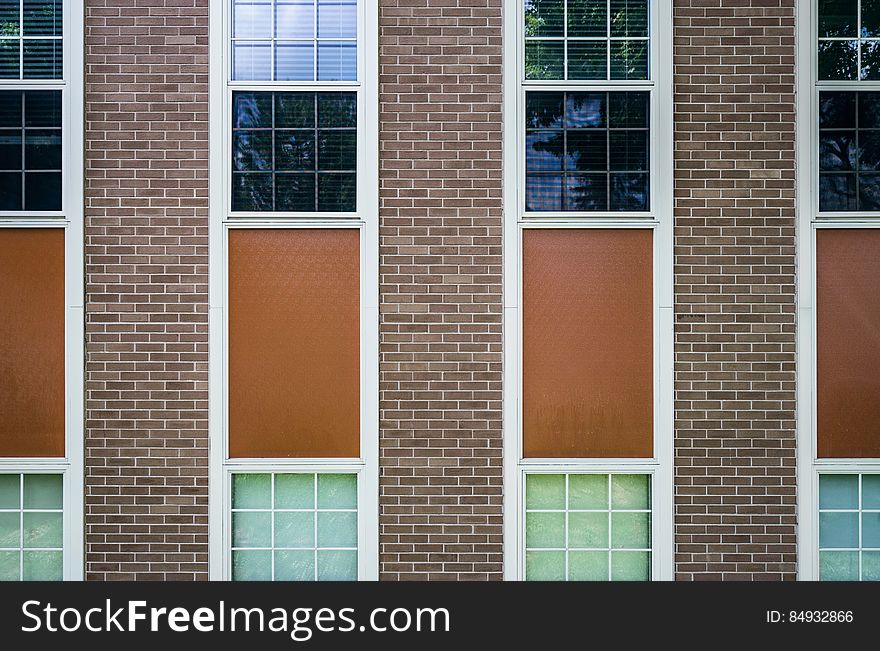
(658, 220)
(222, 220)
(809, 222)
(70, 220)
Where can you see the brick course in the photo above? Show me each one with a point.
(146, 226)
(735, 289)
(441, 304)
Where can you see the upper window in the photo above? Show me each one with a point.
(586, 39)
(31, 39)
(849, 39)
(294, 40)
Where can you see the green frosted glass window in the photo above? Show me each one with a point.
(849, 527)
(587, 527)
(586, 39)
(31, 527)
(294, 526)
(848, 33)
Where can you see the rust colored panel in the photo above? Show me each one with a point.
(587, 343)
(294, 343)
(848, 342)
(32, 342)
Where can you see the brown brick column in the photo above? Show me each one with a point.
(441, 306)
(146, 229)
(735, 288)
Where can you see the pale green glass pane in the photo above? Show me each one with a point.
(545, 566)
(545, 492)
(43, 492)
(252, 565)
(838, 530)
(43, 566)
(630, 566)
(337, 529)
(295, 529)
(630, 530)
(10, 530)
(545, 530)
(337, 491)
(870, 566)
(588, 530)
(10, 489)
(295, 491)
(251, 491)
(588, 566)
(295, 566)
(838, 566)
(43, 530)
(10, 566)
(251, 529)
(871, 530)
(337, 565)
(871, 491)
(630, 492)
(838, 491)
(588, 491)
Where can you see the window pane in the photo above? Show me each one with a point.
(294, 565)
(337, 491)
(838, 530)
(587, 18)
(870, 17)
(252, 192)
(337, 565)
(43, 566)
(296, 19)
(630, 492)
(10, 492)
(629, 18)
(630, 566)
(10, 566)
(251, 19)
(545, 530)
(295, 193)
(337, 150)
(42, 149)
(838, 18)
(837, 151)
(545, 491)
(337, 193)
(11, 150)
(587, 566)
(42, 17)
(251, 151)
(294, 150)
(10, 529)
(870, 491)
(251, 565)
(295, 491)
(295, 529)
(252, 529)
(545, 566)
(838, 491)
(337, 529)
(251, 61)
(42, 191)
(870, 60)
(587, 60)
(544, 17)
(295, 61)
(337, 110)
(838, 60)
(252, 110)
(544, 59)
(337, 19)
(43, 491)
(588, 530)
(337, 61)
(629, 59)
(10, 57)
(251, 491)
(839, 566)
(588, 492)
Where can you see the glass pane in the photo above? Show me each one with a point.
(295, 62)
(545, 530)
(251, 61)
(869, 192)
(838, 491)
(252, 192)
(839, 566)
(545, 566)
(251, 529)
(10, 566)
(629, 192)
(869, 151)
(586, 151)
(838, 59)
(43, 59)
(544, 110)
(629, 17)
(295, 491)
(337, 565)
(42, 149)
(870, 18)
(870, 566)
(251, 491)
(337, 110)
(10, 191)
(295, 19)
(251, 151)
(544, 59)
(295, 110)
(337, 529)
(630, 492)
(838, 18)
(10, 55)
(43, 529)
(628, 110)
(588, 530)
(337, 19)
(42, 191)
(588, 566)
(838, 110)
(544, 151)
(838, 530)
(837, 150)
(252, 565)
(295, 193)
(544, 192)
(337, 491)
(629, 59)
(10, 18)
(588, 491)
(630, 530)
(628, 150)
(587, 60)
(42, 108)
(587, 18)
(544, 17)
(295, 529)
(42, 17)
(251, 19)
(337, 193)
(337, 61)
(870, 60)
(43, 491)
(870, 492)
(585, 110)
(10, 489)
(837, 192)
(871, 530)
(10, 530)
(43, 566)
(630, 566)
(294, 565)
(295, 150)
(337, 150)
(252, 110)
(545, 491)
(586, 192)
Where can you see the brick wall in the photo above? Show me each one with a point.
(441, 307)
(146, 223)
(735, 289)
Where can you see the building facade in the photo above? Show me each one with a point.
(440, 289)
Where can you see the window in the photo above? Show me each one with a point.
(41, 162)
(849, 39)
(295, 248)
(849, 527)
(589, 217)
